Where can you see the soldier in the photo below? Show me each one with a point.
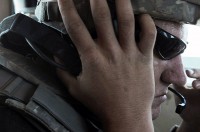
(127, 66)
(117, 81)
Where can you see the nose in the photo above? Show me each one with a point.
(174, 72)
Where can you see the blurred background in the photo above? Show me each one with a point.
(5, 8)
(8, 7)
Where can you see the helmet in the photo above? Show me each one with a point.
(184, 11)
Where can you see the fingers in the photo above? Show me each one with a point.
(196, 84)
(75, 26)
(193, 73)
(148, 34)
(103, 22)
(126, 24)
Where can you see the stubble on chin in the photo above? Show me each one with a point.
(156, 112)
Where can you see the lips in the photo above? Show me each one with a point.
(160, 98)
(161, 93)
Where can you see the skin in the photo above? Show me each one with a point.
(110, 66)
(121, 74)
(170, 71)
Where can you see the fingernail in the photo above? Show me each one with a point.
(190, 71)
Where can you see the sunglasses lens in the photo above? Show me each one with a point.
(167, 45)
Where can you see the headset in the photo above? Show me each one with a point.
(181, 106)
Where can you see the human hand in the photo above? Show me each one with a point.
(190, 116)
(117, 79)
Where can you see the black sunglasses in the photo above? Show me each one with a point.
(167, 45)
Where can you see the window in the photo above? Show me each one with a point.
(191, 56)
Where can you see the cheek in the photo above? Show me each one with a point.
(159, 67)
(156, 112)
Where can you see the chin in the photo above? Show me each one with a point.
(156, 112)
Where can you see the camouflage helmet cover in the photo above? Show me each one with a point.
(186, 11)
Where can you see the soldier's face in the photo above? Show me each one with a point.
(167, 71)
